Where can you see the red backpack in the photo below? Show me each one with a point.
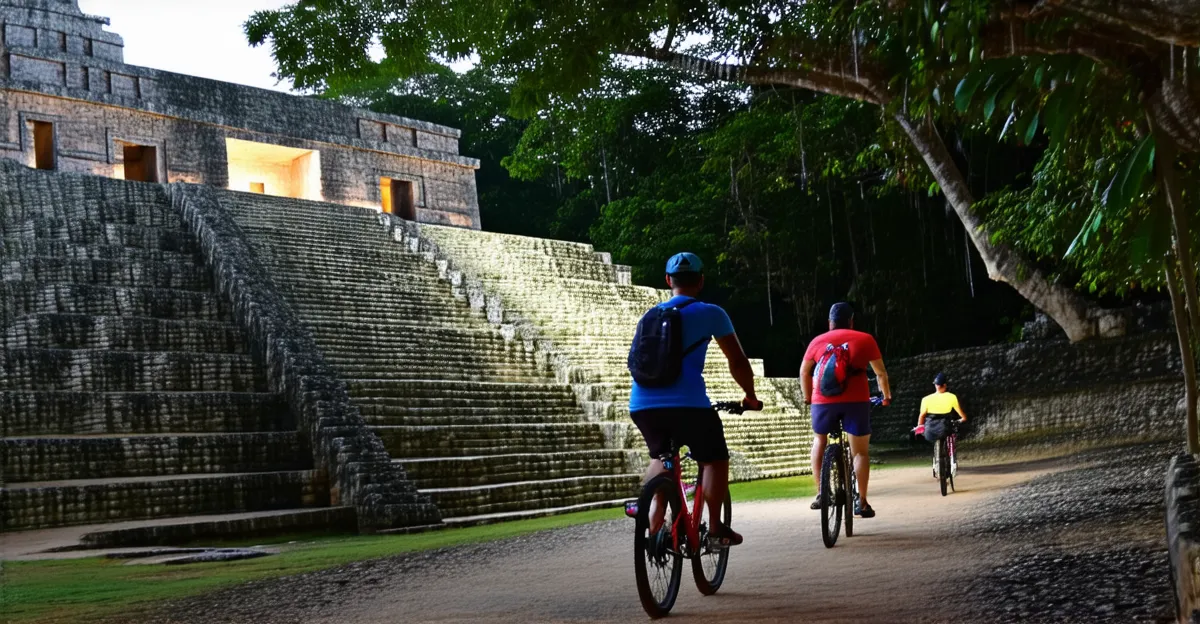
(833, 372)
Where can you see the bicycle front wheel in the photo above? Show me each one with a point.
(657, 566)
(943, 464)
(710, 562)
(833, 494)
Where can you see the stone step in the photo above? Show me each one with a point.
(391, 359)
(179, 276)
(31, 413)
(122, 333)
(92, 501)
(87, 370)
(144, 209)
(548, 493)
(484, 416)
(13, 248)
(25, 298)
(99, 233)
(390, 306)
(450, 402)
(107, 456)
(324, 258)
(449, 472)
(482, 390)
(222, 527)
(467, 440)
(435, 371)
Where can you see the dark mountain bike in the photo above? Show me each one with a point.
(658, 555)
(837, 488)
(945, 455)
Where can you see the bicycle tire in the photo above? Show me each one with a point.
(650, 553)
(851, 494)
(943, 464)
(717, 559)
(832, 495)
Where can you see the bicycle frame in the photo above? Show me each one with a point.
(687, 520)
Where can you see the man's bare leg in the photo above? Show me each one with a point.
(818, 455)
(658, 510)
(860, 448)
(715, 479)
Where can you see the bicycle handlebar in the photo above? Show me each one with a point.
(734, 407)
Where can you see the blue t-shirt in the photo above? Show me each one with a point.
(701, 322)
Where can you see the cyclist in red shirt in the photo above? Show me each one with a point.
(853, 405)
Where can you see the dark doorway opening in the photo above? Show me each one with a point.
(141, 163)
(43, 144)
(397, 198)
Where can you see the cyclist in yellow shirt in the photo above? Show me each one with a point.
(939, 408)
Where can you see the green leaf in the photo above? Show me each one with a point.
(933, 31)
(1008, 122)
(1090, 225)
(1038, 75)
(966, 90)
(1053, 119)
(1031, 129)
(1152, 237)
(1131, 177)
(989, 107)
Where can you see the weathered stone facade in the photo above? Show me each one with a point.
(1051, 391)
(68, 102)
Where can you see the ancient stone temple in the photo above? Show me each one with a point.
(232, 312)
(68, 102)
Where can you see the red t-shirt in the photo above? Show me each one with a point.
(863, 350)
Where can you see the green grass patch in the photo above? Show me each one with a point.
(77, 590)
(89, 589)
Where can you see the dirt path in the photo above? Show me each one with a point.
(585, 574)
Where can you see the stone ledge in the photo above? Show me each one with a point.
(1183, 535)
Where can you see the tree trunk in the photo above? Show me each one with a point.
(1064, 305)
(1185, 354)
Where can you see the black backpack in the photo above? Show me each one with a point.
(656, 356)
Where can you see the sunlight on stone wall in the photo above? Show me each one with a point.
(284, 171)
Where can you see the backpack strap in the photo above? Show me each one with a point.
(695, 345)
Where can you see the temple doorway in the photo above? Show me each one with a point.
(274, 169)
(397, 198)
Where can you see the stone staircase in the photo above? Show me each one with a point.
(477, 421)
(581, 311)
(128, 394)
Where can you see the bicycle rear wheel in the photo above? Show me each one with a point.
(943, 464)
(833, 494)
(710, 562)
(851, 493)
(656, 565)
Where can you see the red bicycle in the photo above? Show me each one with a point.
(676, 534)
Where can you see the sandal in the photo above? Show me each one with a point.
(816, 504)
(864, 511)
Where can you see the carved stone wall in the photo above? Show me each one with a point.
(60, 67)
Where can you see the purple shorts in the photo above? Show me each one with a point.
(856, 418)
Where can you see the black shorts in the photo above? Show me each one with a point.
(698, 428)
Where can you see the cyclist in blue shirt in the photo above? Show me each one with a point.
(682, 411)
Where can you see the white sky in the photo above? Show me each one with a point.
(198, 38)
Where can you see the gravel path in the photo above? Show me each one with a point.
(1086, 543)
(1074, 540)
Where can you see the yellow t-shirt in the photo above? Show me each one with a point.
(940, 404)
